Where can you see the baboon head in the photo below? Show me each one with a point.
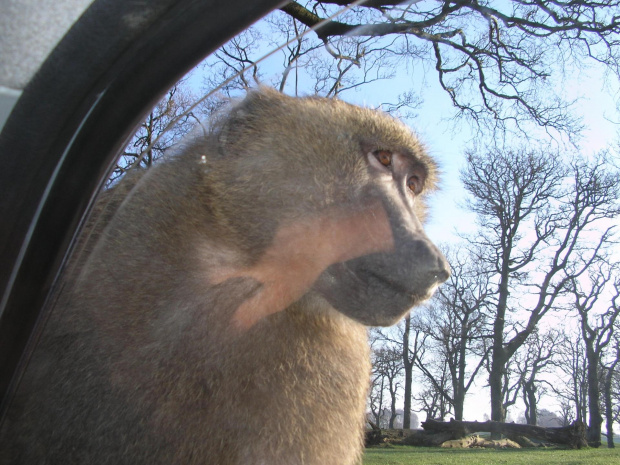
(332, 196)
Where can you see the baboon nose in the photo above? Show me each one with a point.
(442, 274)
(441, 271)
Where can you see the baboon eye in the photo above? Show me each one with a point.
(384, 157)
(415, 183)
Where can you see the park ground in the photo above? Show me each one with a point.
(407, 455)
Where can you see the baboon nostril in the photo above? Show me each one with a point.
(442, 275)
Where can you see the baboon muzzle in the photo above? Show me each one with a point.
(379, 288)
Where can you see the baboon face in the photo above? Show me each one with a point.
(378, 288)
(345, 188)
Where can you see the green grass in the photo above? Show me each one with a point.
(405, 455)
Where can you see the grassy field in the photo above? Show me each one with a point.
(405, 455)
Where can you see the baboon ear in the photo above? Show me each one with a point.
(257, 102)
(246, 114)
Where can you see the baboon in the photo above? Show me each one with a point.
(219, 315)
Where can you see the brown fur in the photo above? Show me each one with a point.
(218, 317)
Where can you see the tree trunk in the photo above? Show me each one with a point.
(595, 418)
(573, 436)
(607, 399)
(459, 402)
(379, 410)
(610, 429)
(393, 414)
(407, 401)
(498, 357)
(459, 383)
(495, 385)
(408, 367)
(583, 406)
(529, 398)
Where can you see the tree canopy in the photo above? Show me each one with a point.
(494, 58)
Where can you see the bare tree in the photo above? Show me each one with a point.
(454, 328)
(375, 397)
(511, 386)
(536, 358)
(566, 413)
(573, 391)
(431, 399)
(597, 328)
(412, 341)
(167, 123)
(307, 65)
(408, 339)
(536, 217)
(492, 58)
(387, 364)
(377, 381)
